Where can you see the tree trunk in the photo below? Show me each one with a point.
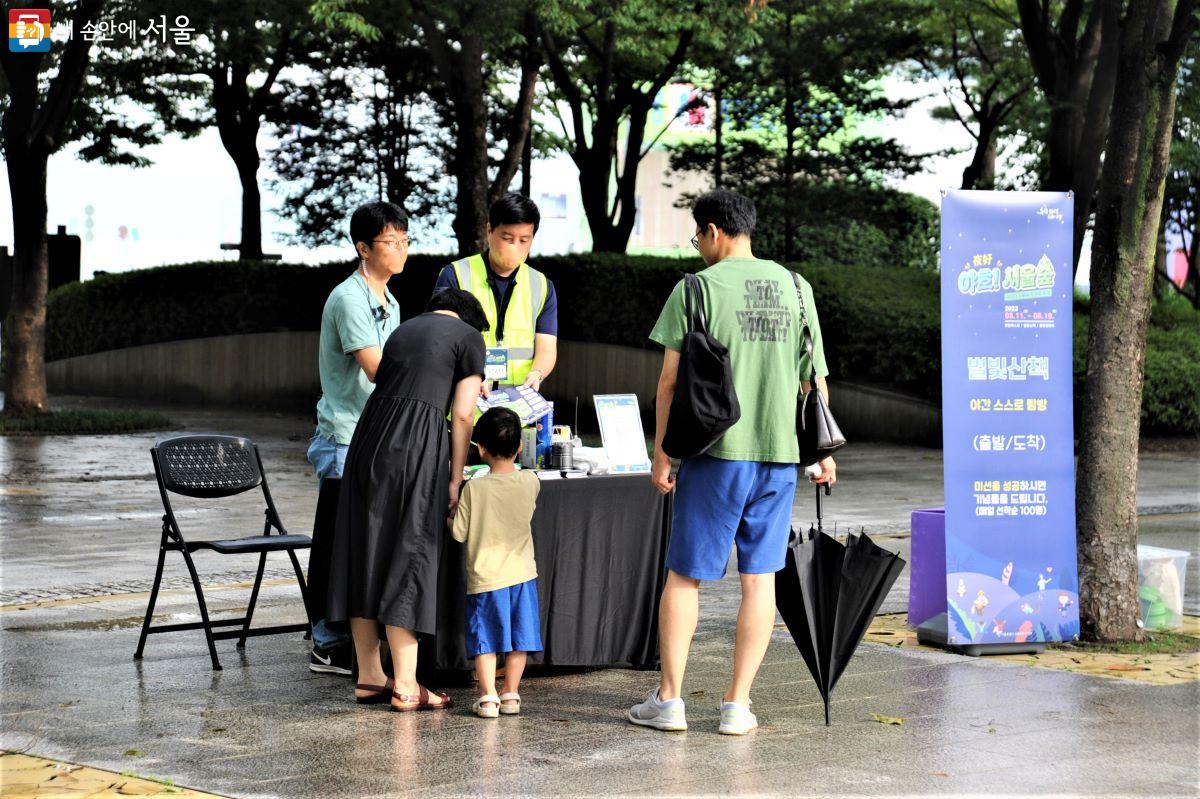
(247, 167)
(1094, 122)
(611, 228)
(1077, 75)
(25, 327)
(33, 124)
(518, 151)
(635, 137)
(1162, 285)
(595, 166)
(1127, 225)
(527, 167)
(981, 172)
(470, 145)
(238, 125)
(593, 190)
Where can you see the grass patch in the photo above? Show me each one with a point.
(82, 421)
(164, 781)
(1155, 643)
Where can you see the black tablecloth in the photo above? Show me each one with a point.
(600, 545)
(322, 547)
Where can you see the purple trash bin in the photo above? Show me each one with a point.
(927, 567)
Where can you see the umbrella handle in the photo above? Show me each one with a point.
(827, 492)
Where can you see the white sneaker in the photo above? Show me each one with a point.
(667, 715)
(736, 719)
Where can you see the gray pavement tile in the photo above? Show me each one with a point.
(85, 522)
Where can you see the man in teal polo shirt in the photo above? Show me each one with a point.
(359, 316)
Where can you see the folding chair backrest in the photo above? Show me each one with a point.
(208, 466)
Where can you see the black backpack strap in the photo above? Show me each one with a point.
(693, 299)
(688, 279)
(805, 331)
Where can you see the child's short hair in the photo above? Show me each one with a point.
(499, 432)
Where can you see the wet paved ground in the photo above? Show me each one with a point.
(79, 518)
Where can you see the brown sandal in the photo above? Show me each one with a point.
(422, 700)
(381, 693)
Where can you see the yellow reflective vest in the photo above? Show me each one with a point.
(520, 320)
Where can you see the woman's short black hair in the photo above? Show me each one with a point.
(462, 303)
(513, 208)
(499, 432)
(729, 211)
(373, 218)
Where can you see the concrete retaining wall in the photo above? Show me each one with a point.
(280, 370)
(262, 369)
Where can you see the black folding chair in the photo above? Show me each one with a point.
(211, 467)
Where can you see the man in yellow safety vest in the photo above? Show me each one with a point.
(520, 303)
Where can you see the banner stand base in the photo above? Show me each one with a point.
(932, 632)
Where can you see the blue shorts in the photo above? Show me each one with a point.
(719, 503)
(504, 620)
(327, 456)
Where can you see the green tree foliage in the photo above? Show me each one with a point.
(795, 106)
(229, 76)
(608, 60)
(473, 48)
(980, 64)
(362, 127)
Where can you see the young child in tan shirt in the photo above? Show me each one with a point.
(493, 520)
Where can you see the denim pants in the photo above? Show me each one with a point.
(328, 459)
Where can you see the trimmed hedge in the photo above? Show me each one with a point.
(881, 325)
(82, 421)
(1171, 383)
(609, 299)
(223, 298)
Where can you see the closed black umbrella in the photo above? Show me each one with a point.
(828, 592)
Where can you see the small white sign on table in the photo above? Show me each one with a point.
(621, 430)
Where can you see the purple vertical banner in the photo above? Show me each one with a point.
(1007, 276)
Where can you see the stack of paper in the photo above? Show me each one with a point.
(525, 402)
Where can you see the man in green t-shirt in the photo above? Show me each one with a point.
(740, 491)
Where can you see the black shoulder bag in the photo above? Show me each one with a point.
(816, 429)
(705, 403)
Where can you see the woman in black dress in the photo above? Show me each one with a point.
(401, 481)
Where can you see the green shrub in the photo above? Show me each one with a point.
(1171, 391)
(611, 299)
(170, 303)
(851, 224)
(1171, 383)
(81, 421)
(880, 324)
(1174, 311)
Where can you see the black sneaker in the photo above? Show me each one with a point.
(338, 660)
